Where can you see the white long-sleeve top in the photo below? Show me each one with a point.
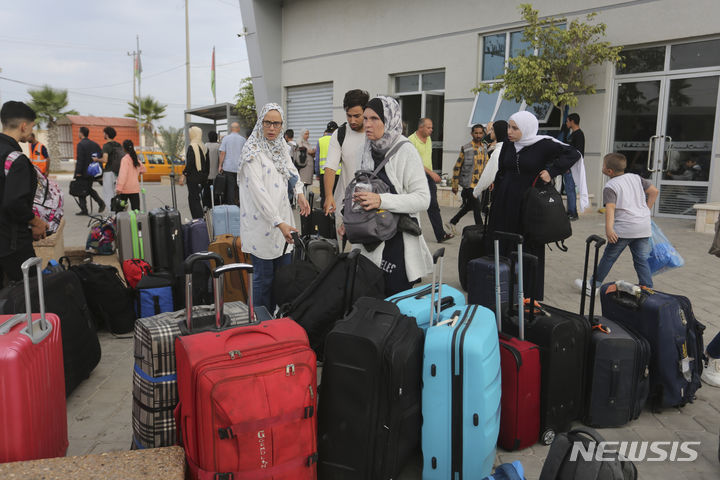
(487, 177)
(405, 171)
(264, 204)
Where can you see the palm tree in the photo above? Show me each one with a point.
(50, 106)
(172, 141)
(150, 110)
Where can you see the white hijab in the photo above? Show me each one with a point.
(528, 125)
(257, 144)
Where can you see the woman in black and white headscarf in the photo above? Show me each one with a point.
(524, 157)
(405, 258)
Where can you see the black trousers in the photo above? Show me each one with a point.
(433, 211)
(469, 202)
(10, 264)
(195, 192)
(82, 201)
(134, 199)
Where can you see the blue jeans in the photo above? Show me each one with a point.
(713, 348)
(570, 192)
(640, 249)
(263, 274)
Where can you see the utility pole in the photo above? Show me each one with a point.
(139, 100)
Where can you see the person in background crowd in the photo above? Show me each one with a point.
(197, 167)
(498, 134)
(87, 152)
(111, 158)
(405, 258)
(422, 141)
(576, 138)
(230, 153)
(346, 155)
(711, 373)
(466, 173)
(628, 200)
(289, 135)
(266, 219)
(39, 155)
(128, 185)
(321, 152)
(18, 180)
(691, 170)
(306, 172)
(213, 152)
(525, 157)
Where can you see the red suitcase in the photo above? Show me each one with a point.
(33, 418)
(248, 399)
(520, 366)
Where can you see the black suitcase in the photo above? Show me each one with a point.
(481, 282)
(618, 375)
(369, 416)
(472, 246)
(563, 339)
(220, 189)
(167, 238)
(317, 223)
(64, 297)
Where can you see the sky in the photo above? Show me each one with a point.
(83, 47)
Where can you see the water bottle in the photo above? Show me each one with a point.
(360, 187)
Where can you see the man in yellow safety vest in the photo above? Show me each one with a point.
(321, 153)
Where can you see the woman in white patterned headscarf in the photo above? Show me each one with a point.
(405, 258)
(266, 218)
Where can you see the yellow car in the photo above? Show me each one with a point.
(157, 165)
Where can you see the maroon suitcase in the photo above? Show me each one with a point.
(520, 367)
(33, 417)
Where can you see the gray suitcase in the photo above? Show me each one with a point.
(154, 375)
(133, 236)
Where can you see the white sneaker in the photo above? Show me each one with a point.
(711, 373)
(588, 289)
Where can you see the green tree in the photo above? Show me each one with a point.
(50, 105)
(557, 74)
(246, 108)
(146, 114)
(172, 142)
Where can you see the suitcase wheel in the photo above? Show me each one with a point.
(547, 436)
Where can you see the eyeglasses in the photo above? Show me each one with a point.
(268, 124)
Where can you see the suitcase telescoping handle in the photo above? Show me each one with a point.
(218, 274)
(188, 268)
(44, 327)
(599, 242)
(514, 237)
(436, 306)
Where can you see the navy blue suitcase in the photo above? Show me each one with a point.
(419, 302)
(195, 237)
(481, 282)
(675, 336)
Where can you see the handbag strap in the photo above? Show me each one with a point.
(388, 155)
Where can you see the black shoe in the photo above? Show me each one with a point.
(447, 236)
(81, 212)
(572, 217)
(102, 208)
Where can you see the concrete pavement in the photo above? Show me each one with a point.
(99, 411)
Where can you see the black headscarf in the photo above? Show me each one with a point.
(500, 127)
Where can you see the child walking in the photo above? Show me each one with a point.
(628, 199)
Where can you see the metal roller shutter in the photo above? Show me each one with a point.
(309, 106)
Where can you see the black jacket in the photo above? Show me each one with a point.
(85, 149)
(191, 172)
(17, 192)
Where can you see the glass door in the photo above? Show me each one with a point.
(665, 127)
(685, 146)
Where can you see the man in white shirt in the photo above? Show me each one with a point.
(346, 146)
(230, 153)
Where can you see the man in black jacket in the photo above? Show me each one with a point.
(86, 148)
(576, 138)
(18, 224)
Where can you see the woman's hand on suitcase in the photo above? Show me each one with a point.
(287, 231)
(304, 205)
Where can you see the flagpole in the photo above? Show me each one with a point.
(139, 100)
(214, 78)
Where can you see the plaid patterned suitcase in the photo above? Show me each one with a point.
(154, 374)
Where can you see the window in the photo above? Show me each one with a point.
(695, 55)
(642, 60)
(489, 107)
(422, 95)
(500, 47)
(155, 159)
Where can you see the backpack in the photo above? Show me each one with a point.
(154, 295)
(341, 131)
(544, 216)
(559, 464)
(109, 300)
(300, 156)
(48, 201)
(369, 226)
(134, 269)
(101, 238)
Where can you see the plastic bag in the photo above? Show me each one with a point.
(663, 256)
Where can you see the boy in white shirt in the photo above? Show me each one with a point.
(628, 199)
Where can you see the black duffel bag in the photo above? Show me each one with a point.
(544, 217)
(80, 187)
